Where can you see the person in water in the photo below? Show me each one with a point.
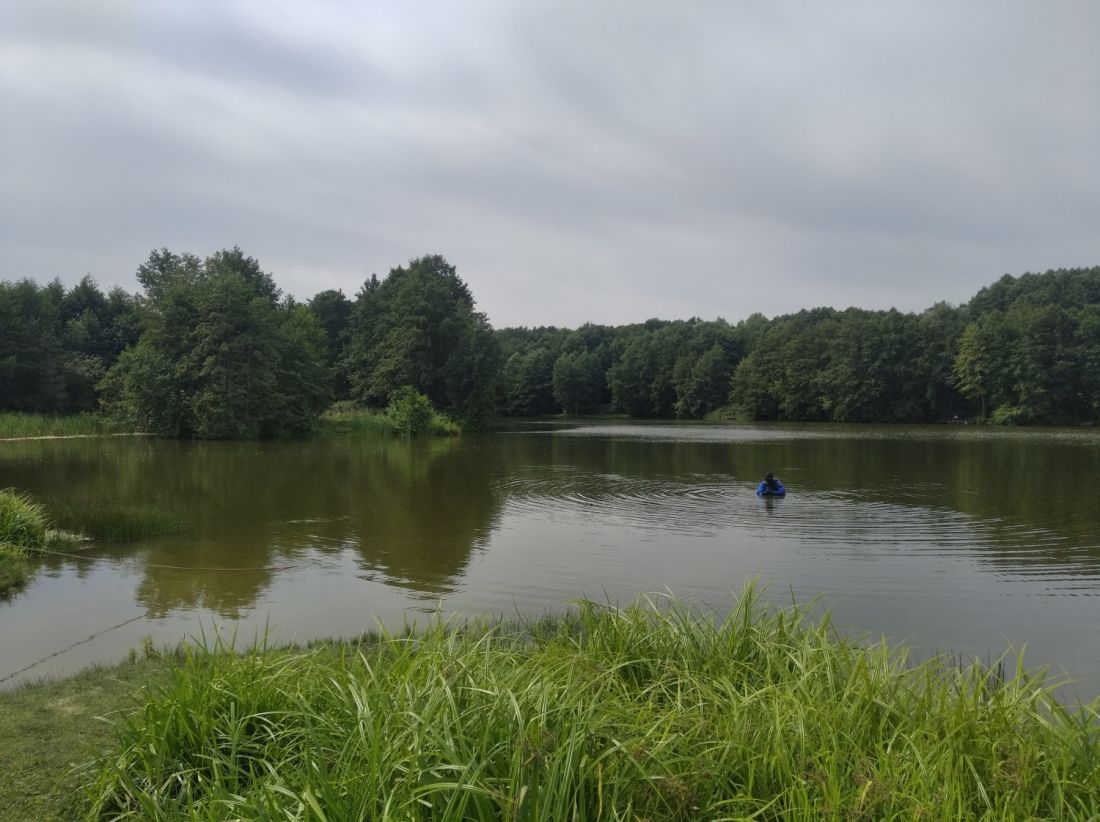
(770, 486)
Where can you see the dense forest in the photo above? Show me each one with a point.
(211, 348)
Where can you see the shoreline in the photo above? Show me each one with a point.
(585, 709)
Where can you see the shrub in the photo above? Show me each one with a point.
(410, 411)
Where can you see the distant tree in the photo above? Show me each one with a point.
(579, 382)
(528, 383)
(418, 328)
(706, 386)
(333, 311)
(218, 358)
(32, 362)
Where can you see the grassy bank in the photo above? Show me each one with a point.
(18, 426)
(605, 713)
(48, 730)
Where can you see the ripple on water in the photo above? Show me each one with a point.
(843, 522)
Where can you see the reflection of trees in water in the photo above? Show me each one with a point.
(412, 511)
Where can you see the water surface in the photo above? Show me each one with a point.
(947, 538)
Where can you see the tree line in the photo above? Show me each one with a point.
(1023, 350)
(212, 348)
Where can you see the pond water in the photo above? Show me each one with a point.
(947, 538)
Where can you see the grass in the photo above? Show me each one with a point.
(649, 712)
(17, 426)
(22, 529)
(343, 420)
(48, 729)
(22, 521)
(116, 523)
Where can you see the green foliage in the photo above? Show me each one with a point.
(528, 383)
(22, 521)
(850, 366)
(218, 358)
(51, 728)
(418, 328)
(116, 523)
(347, 419)
(16, 426)
(411, 413)
(333, 312)
(652, 711)
(32, 376)
(579, 382)
(1032, 364)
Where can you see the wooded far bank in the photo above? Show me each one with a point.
(211, 348)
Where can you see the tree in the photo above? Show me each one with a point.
(333, 312)
(579, 382)
(972, 365)
(706, 386)
(218, 358)
(32, 373)
(418, 327)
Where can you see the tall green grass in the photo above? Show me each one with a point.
(647, 712)
(22, 521)
(22, 529)
(342, 420)
(116, 523)
(15, 426)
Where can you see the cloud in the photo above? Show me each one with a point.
(577, 162)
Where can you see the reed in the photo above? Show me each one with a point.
(651, 711)
(17, 426)
(22, 521)
(116, 523)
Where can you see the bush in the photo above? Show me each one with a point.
(1007, 415)
(410, 411)
(22, 521)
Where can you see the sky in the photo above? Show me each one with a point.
(576, 161)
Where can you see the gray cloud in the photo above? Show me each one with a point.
(606, 162)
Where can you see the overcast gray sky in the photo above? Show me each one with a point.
(577, 161)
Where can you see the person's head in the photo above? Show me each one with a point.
(769, 478)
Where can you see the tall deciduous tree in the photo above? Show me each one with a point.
(418, 327)
(218, 356)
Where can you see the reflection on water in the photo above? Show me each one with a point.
(946, 537)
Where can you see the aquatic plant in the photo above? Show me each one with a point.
(650, 711)
(117, 523)
(22, 521)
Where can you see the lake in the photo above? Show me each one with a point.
(948, 538)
